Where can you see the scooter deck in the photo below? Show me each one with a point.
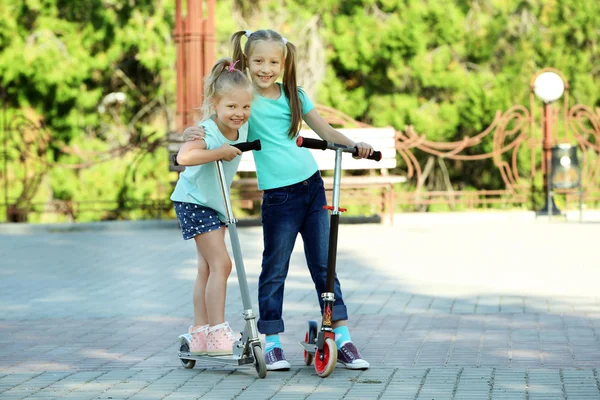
(309, 347)
(217, 359)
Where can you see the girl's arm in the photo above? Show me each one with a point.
(195, 153)
(326, 132)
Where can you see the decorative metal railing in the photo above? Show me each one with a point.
(516, 156)
(515, 134)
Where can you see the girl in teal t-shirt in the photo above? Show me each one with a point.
(199, 204)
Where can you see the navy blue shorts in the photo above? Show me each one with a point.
(195, 219)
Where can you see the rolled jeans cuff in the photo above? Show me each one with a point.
(272, 327)
(339, 313)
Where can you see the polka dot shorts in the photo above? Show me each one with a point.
(195, 219)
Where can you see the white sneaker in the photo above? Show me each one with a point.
(349, 357)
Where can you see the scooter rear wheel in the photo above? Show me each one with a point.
(259, 361)
(185, 348)
(310, 337)
(324, 367)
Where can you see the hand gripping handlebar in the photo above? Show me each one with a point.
(244, 146)
(324, 145)
(247, 146)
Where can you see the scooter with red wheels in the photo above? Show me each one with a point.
(320, 344)
(248, 349)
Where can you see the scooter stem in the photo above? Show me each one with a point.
(337, 175)
(225, 193)
(335, 221)
(235, 241)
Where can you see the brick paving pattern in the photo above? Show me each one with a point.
(443, 309)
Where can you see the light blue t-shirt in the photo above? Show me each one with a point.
(280, 162)
(199, 184)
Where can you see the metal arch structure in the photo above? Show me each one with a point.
(24, 141)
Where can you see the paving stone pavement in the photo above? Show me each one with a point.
(443, 308)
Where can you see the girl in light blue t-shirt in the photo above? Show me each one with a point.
(294, 194)
(199, 204)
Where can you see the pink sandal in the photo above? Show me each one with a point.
(220, 340)
(198, 342)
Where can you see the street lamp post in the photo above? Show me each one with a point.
(548, 87)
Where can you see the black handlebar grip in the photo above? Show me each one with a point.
(376, 155)
(244, 146)
(311, 143)
(247, 146)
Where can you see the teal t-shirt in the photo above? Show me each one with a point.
(280, 162)
(199, 184)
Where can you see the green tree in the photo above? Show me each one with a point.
(59, 60)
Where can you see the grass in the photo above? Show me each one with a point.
(366, 381)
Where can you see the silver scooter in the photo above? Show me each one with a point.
(248, 349)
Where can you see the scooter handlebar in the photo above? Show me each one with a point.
(244, 146)
(324, 145)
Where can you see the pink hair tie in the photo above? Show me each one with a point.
(231, 67)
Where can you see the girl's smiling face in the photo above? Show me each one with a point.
(265, 64)
(233, 110)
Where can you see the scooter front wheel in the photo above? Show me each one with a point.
(259, 361)
(325, 366)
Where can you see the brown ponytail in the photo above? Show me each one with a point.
(290, 88)
(238, 54)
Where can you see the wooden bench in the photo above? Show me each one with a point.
(372, 191)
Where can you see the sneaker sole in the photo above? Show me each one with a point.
(279, 366)
(356, 365)
(219, 353)
(198, 353)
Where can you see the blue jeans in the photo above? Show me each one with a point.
(286, 212)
